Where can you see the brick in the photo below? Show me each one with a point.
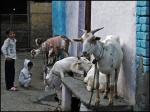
(138, 27)
(144, 11)
(143, 20)
(142, 35)
(138, 50)
(145, 61)
(137, 19)
(144, 44)
(145, 27)
(146, 68)
(138, 43)
(143, 3)
(138, 11)
(137, 59)
(138, 3)
(144, 52)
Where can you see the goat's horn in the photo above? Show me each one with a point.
(93, 31)
(84, 31)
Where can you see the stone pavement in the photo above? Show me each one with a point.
(26, 99)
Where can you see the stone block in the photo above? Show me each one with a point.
(144, 11)
(146, 68)
(143, 20)
(138, 27)
(138, 11)
(142, 51)
(145, 61)
(143, 3)
(144, 28)
(142, 35)
(137, 19)
(138, 43)
(144, 44)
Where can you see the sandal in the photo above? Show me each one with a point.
(15, 86)
(13, 89)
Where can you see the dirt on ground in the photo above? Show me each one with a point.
(25, 99)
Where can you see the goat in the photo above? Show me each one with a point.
(56, 48)
(62, 68)
(108, 55)
(88, 80)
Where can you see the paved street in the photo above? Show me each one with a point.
(25, 99)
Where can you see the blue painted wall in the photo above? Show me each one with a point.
(142, 33)
(58, 17)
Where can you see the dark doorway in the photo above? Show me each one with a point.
(14, 15)
(14, 6)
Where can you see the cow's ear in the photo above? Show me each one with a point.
(78, 62)
(78, 40)
(78, 57)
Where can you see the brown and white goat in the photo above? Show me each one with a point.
(54, 47)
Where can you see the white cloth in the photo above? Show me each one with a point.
(25, 77)
(9, 48)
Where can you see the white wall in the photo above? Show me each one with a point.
(118, 18)
(75, 17)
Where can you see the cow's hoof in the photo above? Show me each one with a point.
(110, 103)
(116, 96)
(97, 101)
(104, 96)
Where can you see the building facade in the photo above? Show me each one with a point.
(127, 19)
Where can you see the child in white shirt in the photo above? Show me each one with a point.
(25, 74)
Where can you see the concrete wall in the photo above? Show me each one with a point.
(68, 17)
(119, 18)
(40, 21)
(75, 19)
(142, 55)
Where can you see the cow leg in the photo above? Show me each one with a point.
(62, 75)
(49, 55)
(46, 57)
(97, 100)
(116, 80)
(112, 79)
(106, 86)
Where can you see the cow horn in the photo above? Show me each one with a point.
(93, 31)
(84, 31)
(36, 42)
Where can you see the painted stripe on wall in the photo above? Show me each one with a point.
(58, 17)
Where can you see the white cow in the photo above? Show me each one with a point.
(56, 48)
(108, 55)
(63, 67)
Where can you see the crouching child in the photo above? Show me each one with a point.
(25, 74)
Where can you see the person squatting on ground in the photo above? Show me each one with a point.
(9, 51)
(25, 74)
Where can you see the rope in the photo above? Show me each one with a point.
(95, 62)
